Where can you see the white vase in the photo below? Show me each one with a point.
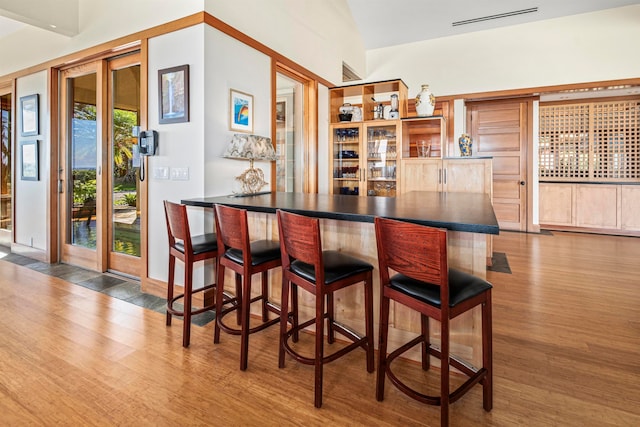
(425, 102)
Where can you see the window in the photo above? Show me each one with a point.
(595, 141)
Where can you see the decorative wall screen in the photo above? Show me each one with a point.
(595, 142)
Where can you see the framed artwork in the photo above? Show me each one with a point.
(30, 117)
(29, 158)
(281, 111)
(173, 94)
(241, 111)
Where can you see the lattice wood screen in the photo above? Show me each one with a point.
(597, 141)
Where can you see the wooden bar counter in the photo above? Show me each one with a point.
(347, 225)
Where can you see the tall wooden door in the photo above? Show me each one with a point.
(500, 129)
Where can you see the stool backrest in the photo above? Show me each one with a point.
(417, 251)
(177, 224)
(299, 239)
(233, 230)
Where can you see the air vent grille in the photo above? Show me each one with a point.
(348, 75)
(497, 16)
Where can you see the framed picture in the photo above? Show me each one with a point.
(30, 117)
(173, 94)
(29, 159)
(241, 111)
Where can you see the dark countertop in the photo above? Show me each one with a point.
(470, 212)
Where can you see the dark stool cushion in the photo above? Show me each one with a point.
(261, 251)
(462, 286)
(337, 266)
(200, 244)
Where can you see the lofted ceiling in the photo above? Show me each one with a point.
(381, 23)
(384, 23)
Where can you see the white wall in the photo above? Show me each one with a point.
(582, 48)
(231, 64)
(100, 21)
(319, 35)
(31, 196)
(180, 145)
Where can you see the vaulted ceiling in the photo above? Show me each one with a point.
(381, 23)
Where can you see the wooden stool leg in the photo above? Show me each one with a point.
(331, 335)
(368, 313)
(239, 298)
(219, 301)
(188, 286)
(487, 355)
(265, 296)
(244, 326)
(444, 372)
(382, 347)
(294, 309)
(426, 343)
(319, 351)
(172, 270)
(284, 310)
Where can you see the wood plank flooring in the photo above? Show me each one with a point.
(566, 353)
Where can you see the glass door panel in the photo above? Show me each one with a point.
(125, 188)
(5, 166)
(83, 161)
(290, 138)
(346, 159)
(382, 153)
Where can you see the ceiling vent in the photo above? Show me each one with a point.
(492, 17)
(348, 75)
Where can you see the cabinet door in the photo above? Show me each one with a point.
(381, 146)
(630, 206)
(597, 206)
(467, 175)
(556, 204)
(346, 158)
(421, 175)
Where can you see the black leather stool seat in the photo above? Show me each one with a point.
(261, 251)
(200, 244)
(462, 286)
(337, 266)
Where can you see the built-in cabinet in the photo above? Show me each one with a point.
(365, 153)
(455, 174)
(609, 208)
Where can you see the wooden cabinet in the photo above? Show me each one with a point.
(603, 208)
(430, 131)
(364, 154)
(365, 158)
(472, 175)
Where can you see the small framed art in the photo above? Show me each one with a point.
(29, 160)
(173, 94)
(241, 111)
(30, 116)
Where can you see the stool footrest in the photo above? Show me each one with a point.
(475, 375)
(358, 341)
(176, 312)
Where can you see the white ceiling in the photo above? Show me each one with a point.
(382, 23)
(385, 23)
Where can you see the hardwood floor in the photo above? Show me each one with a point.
(566, 353)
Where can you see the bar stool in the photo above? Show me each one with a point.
(423, 282)
(321, 273)
(188, 249)
(245, 258)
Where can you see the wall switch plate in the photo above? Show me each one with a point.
(161, 172)
(180, 174)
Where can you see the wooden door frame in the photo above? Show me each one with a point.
(310, 125)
